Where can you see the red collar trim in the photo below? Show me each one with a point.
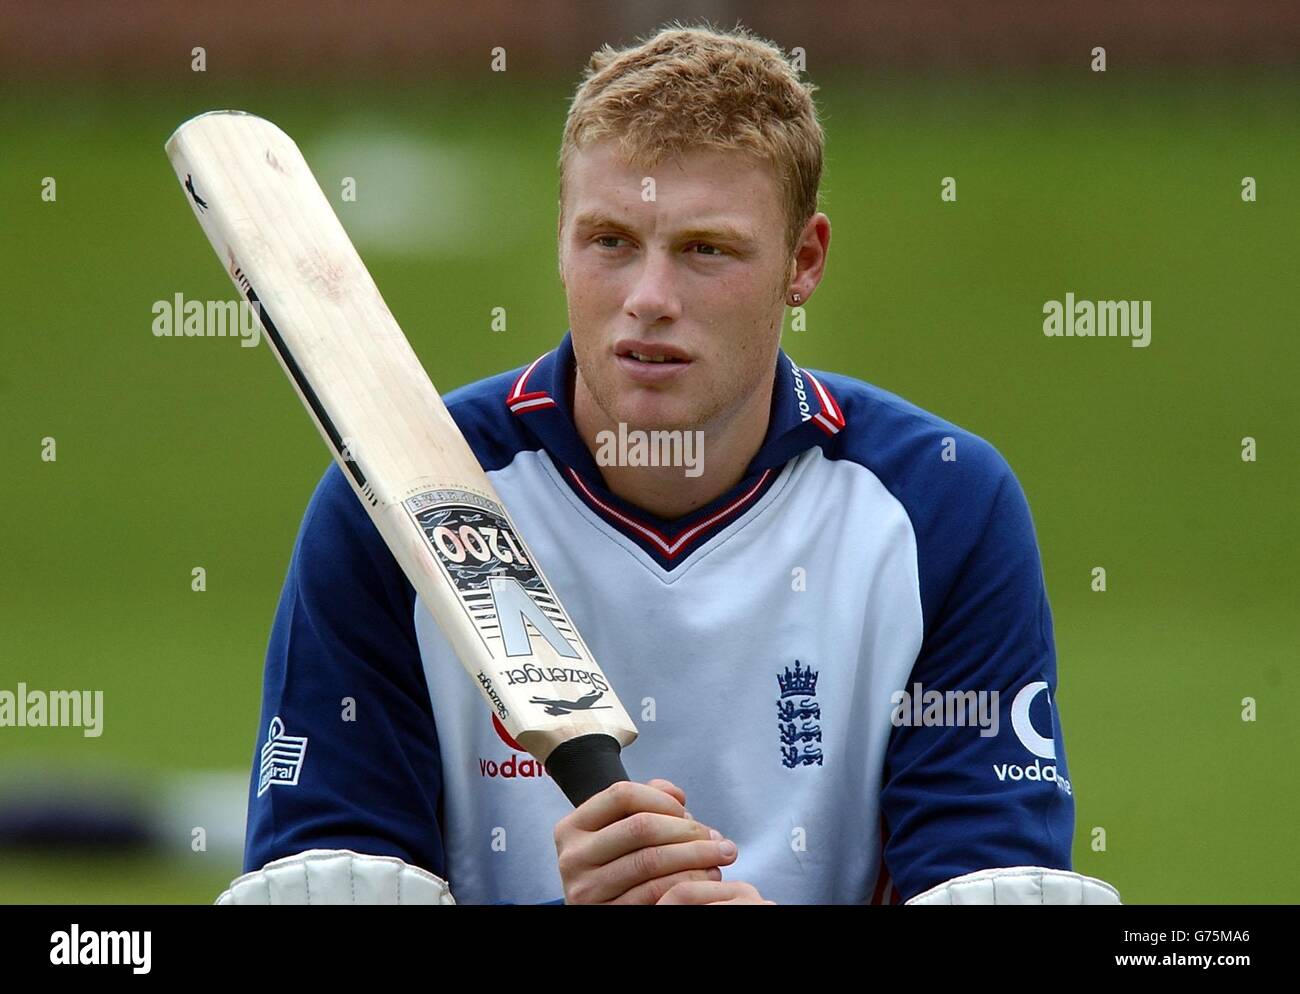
(520, 399)
(830, 418)
(670, 548)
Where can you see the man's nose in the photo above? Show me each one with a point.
(653, 295)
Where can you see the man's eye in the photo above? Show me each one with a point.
(708, 249)
(604, 241)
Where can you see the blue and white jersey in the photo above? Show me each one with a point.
(846, 661)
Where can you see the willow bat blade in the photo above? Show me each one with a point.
(389, 431)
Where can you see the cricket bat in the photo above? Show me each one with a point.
(389, 431)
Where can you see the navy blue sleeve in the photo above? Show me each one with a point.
(958, 798)
(347, 753)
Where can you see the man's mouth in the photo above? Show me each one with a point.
(642, 357)
(650, 353)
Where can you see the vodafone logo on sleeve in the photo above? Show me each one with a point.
(1042, 747)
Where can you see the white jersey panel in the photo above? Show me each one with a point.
(759, 673)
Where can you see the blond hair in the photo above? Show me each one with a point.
(700, 88)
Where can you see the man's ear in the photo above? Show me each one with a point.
(559, 245)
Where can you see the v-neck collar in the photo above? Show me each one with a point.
(803, 414)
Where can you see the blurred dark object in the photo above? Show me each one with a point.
(52, 808)
(75, 819)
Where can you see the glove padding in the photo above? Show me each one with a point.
(1020, 885)
(338, 876)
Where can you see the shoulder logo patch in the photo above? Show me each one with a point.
(282, 758)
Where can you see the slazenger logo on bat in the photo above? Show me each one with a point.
(558, 706)
(529, 673)
(498, 704)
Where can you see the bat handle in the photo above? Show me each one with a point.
(586, 765)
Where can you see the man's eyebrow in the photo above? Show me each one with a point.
(721, 231)
(597, 219)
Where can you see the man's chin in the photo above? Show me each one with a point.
(659, 417)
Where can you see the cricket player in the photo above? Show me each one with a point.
(823, 606)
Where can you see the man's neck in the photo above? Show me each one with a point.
(726, 449)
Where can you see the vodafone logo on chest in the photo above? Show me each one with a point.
(517, 766)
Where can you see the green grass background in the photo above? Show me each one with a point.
(177, 453)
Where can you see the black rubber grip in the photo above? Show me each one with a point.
(585, 766)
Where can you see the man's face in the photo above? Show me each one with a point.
(697, 275)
